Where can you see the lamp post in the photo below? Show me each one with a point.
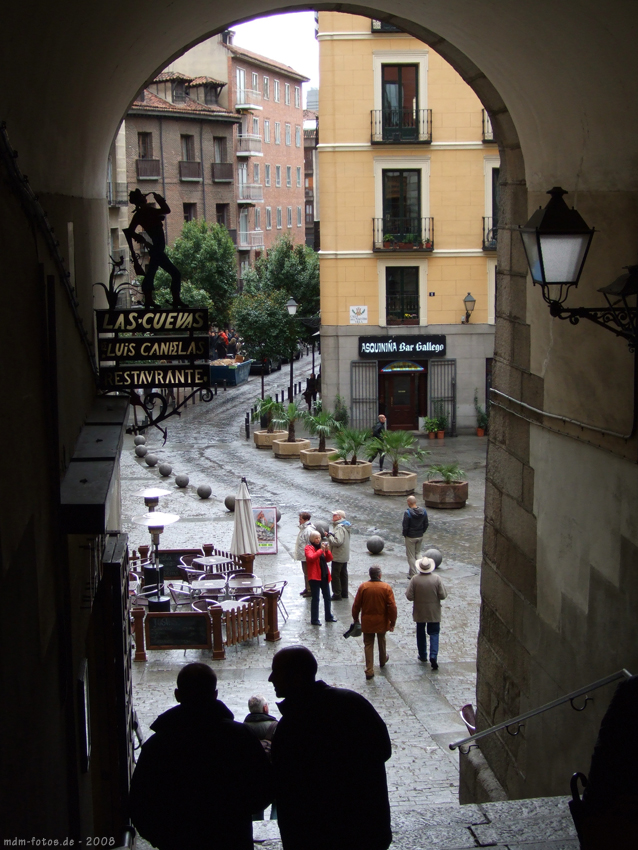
(156, 521)
(291, 306)
(470, 303)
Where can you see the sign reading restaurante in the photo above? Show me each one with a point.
(392, 346)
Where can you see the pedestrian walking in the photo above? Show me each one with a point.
(318, 556)
(377, 431)
(329, 757)
(415, 524)
(305, 527)
(426, 591)
(339, 541)
(263, 726)
(375, 603)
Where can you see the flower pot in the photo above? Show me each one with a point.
(432, 435)
(346, 473)
(440, 435)
(438, 494)
(386, 484)
(264, 440)
(314, 459)
(480, 432)
(388, 245)
(283, 448)
(405, 246)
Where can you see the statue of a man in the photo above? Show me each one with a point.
(151, 219)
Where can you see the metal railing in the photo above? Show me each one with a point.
(190, 170)
(489, 233)
(517, 721)
(400, 126)
(117, 194)
(250, 192)
(250, 239)
(148, 169)
(488, 132)
(403, 234)
(222, 172)
(248, 143)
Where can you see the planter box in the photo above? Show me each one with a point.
(282, 448)
(386, 484)
(264, 440)
(233, 375)
(438, 494)
(314, 459)
(346, 473)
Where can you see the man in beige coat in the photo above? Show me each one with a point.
(375, 603)
(426, 591)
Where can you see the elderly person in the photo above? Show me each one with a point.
(375, 603)
(415, 524)
(340, 548)
(318, 557)
(305, 527)
(426, 591)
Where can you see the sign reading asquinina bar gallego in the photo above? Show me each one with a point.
(418, 347)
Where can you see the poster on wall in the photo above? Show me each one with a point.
(266, 526)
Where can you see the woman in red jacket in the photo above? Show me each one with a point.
(317, 558)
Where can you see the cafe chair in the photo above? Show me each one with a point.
(187, 560)
(181, 594)
(222, 576)
(201, 606)
(250, 597)
(279, 586)
(190, 575)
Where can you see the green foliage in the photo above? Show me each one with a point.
(430, 425)
(449, 472)
(322, 424)
(190, 295)
(482, 415)
(440, 415)
(269, 408)
(349, 442)
(289, 416)
(399, 446)
(341, 411)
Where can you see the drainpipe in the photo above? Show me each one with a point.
(201, 156)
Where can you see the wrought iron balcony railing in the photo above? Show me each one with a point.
(403, 234)
(117, 194)
(190, 170)
(400, 126)
(488, 133)
(248, 145)
(222, 172)
(489, 233)
(247, 239)
(148, 169)
(250, 192)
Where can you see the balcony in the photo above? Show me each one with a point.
(247, 239)
(248, 99)
(248, 145)
(403, 234)
(250, 193)
(222, 172)
(190, 170)
(148, 169)
(489, 233)
(401, 126)
(488, 132)
(117, 194)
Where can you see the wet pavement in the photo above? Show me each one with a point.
(420, 706)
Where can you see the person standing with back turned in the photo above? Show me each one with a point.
(415, 524)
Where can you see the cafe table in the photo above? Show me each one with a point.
(206, 563)
(237, 586)
(208, 584)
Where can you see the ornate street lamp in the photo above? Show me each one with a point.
(470, 303)
(291, 306)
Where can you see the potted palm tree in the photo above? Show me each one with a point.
(398, 447)
(291, 445)
(323, 425)
(445, 487)
(344, 466)
(266, 411)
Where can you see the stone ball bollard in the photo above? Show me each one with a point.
(278, 514)
(182, 480)
(229, 501)
(139, 440)
(141, 451)
(204, 491)
(322, 526)
(165, 469)
(375, 544)
(151, 460)
(436, 556)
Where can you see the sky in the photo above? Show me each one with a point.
(287, 38)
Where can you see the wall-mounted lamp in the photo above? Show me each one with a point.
(556, 241)
(291, 306)
(470, 303)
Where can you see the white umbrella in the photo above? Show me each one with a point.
(244, 540)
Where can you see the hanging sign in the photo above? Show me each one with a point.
(145, 321)
(154, 348)
(419, 347)
(154, 376)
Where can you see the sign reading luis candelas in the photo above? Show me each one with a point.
(416, 347)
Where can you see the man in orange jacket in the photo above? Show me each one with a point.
(375, 603)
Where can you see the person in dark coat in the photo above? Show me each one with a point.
(377, 431)
(415, 524)
(198, 749)
(329, 754)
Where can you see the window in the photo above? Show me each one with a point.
(267, 175)
(266, 88)
(297, 97)
(211, 96)
(402, 295)
(289, 176)
(256, 172)
(241, 85)
(255, 81)
(278, 218)
(297, 136)
(255, 126)
(402, 203)
(275, 86)
(219, 149)
(287, 94)
(190, 212)
(289, 217)
(188, 148)
(257, 218)
(277, 133)
(278, 175)
(400, 101)
(268, 218)
(309, 214)
(222, 214)
(242, 172)
(298, 216)
(266, 130)
(145, 145)
(298, 177)
(179, 93)
(288, 135)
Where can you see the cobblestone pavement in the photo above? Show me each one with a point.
(420, 706)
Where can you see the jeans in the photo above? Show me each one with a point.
(339, 579)
(317, 587)
(433, 630)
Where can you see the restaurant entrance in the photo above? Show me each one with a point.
(403, 393)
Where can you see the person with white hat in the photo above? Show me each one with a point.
(426, 591)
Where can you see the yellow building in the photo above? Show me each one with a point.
(408, 175)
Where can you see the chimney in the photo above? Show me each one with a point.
(227, 36)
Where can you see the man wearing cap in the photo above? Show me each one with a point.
(415, 524)
(426, 591)
(339, 539)
(375, 602)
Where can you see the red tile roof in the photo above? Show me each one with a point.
(249, 56)
(202, 81)
(166, 76)
(310, 115)
(153, 103)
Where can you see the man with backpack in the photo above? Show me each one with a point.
(415, 524)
